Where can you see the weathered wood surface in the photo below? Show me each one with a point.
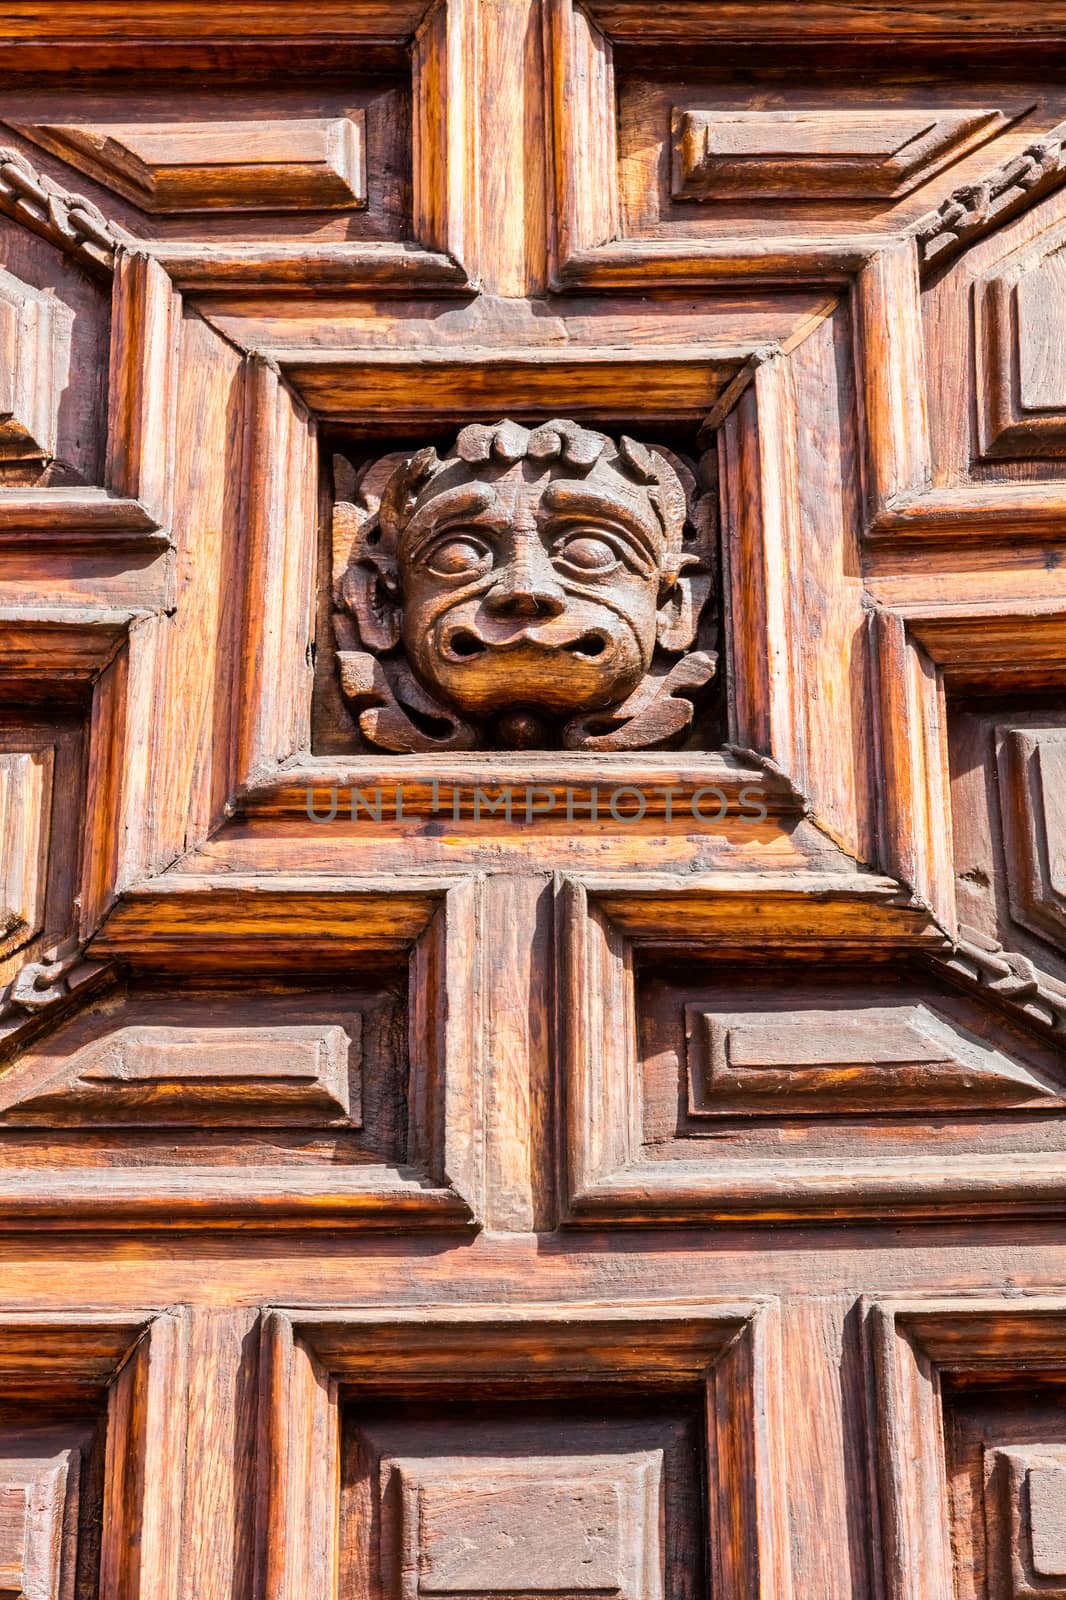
(630, 1164)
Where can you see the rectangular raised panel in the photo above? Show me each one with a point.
(820, 1061)
(29, 381)
(521, 1498)
(283, 164)
(1040, 329)
(549, 1525)
(301, 1074)
(795, 154)
(39, 1472)
(25, 810)
(1033, 794)
(637, 1440)
(1024, 1513)
(550, 1537)
(1046, 1488)
(1019, 333)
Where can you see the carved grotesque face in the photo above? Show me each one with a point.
(526, 572)
(531, 587)
(532, 568)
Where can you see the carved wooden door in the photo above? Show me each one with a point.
(533, 779)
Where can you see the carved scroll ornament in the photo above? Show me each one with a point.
(530, 589)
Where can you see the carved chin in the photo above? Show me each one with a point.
(588, 672)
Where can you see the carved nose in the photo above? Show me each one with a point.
(522, 592)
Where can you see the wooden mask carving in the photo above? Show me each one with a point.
(530, 588)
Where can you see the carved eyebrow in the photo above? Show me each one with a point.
(580, 499)
(466, 501)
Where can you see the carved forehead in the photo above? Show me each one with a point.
(574, 468)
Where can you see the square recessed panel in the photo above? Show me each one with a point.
(50, 1487)
(1007, 1490)
(519, 1497)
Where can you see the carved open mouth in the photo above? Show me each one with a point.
(464, 644)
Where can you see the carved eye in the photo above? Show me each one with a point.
(458, 558)
(587, 554)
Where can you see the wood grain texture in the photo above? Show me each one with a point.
(791, 155)
(239, 164)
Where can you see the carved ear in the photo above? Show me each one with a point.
(366, 587)
(363, 561)
(681, 608)
(679, 613)
(368, 591)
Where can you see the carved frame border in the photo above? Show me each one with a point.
(137, 1358)
(913, 1343)
(603, 922)
(172, 926)
(730, 1349)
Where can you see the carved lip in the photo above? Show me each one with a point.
(464, 644)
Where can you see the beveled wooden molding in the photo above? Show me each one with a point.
(830, 1063)
(914, 790)
(225, 165)
(86, 649)
(302, 921)
(146, 1468)
(583, 211)
(1032, 788)
(414, 387)
(280, 513)
(453, 787)
(795, 612)
(919, 654)
(29, 399)
(25, 826)
(903, 503)
(390, 266)
(137, 1358)
(88, 517)
(786, 911)
(229, 19)
(142, 386)
(730, 1349)
(1009, 301)
(445, 70)
(64, 645)
(841, 153)
(776, 21)
(912, 1344)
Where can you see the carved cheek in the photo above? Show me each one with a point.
(637, 597)
(428, 600)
